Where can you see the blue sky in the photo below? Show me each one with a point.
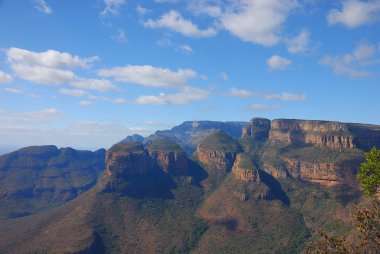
(87, 73)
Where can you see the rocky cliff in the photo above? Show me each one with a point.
(127, 159)
(218, 151)
(257, 128)
(323, 172)
(321, 133)
(244, 168)
(169, 157)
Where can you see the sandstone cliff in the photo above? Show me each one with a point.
(257, 128)
(244, 169)
(323, 172)
(131, 159)
(320, 133)
(169, 157)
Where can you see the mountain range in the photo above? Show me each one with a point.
(202, 187)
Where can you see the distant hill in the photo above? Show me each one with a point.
(37, 177)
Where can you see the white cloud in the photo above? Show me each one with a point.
(120, 37)
(112, 7)
(188, 95)
(147, 75)
(352, 64)
(257, 21)
(261, 107)
(278, 63)
(300, 43)
(120, 100)
(49, 58)
(32, 117)
(13, 90)
(224, 76)
(355, 13)
(174, 21)
(42, 6)
(141, 10)
(285, 96)
(54, 68)
(5, 78)
(72, 92)
(85, 103)
(186, 48)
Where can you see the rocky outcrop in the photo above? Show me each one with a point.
(323, 172)
(127, 159)
(330, 134)
(171, 162)
(244, 169)
(321, 133)
(222, 161)
(257, 129)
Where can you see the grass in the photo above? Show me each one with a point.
(165, 145)
(132, 147)
(220, 141)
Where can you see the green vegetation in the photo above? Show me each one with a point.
(369, 174)
(133, 147)
(220, 141)
(246, 161)
(165, 145)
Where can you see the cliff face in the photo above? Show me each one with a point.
(321, 133)
(125, 160)
(245, 171)
(222, 161)
(257, 128)
(170, 162)
(323, 173)
(330, 134)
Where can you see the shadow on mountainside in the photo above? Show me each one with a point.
(275, 187)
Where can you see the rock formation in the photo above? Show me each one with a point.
(169, 157)
(127, 159)
(244, 169)
(323, 172)
(257, 129)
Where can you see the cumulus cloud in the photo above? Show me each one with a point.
(300, 43)
(352, 64)
(54, 68)
(257, 21)
(355, 13)
(112, 7)
(42, 6)
(49, 58)
(72, 92)
(174, 21)
(276, 62)
(189, 94)
(285, 96)
(148, 75)
(5, 78)
(85, 103)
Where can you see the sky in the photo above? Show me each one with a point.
(87, 73)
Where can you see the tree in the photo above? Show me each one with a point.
(365, 236)
(369, 175)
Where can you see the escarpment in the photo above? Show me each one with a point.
(218, 151)
(131, 159)
(244, 168)
(168, 156)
